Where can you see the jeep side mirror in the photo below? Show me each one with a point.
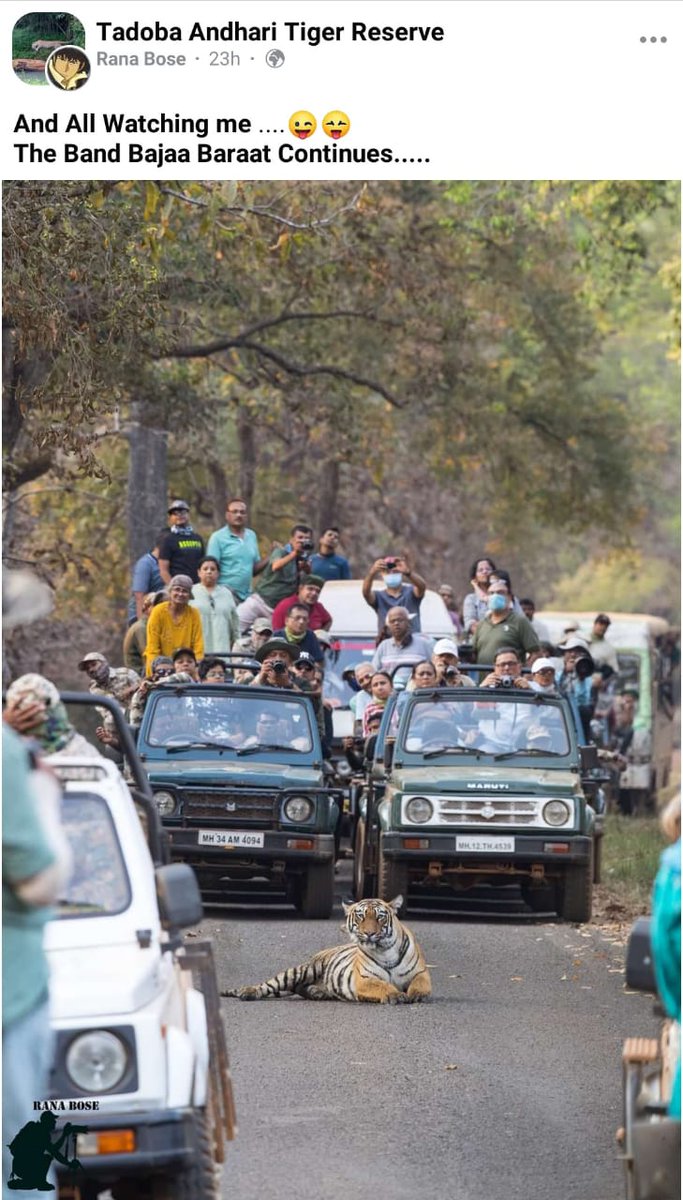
(640, 972)
(588, 757)
(388, 752)
(180, 902)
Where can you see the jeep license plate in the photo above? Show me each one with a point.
(230, 837)
(503, 845)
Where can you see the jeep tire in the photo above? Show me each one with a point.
(392, 878)
(574, 892)
(317, 892)
(200, 1180)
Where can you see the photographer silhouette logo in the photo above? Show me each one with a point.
(33, 1153)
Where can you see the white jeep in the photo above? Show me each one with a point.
(140, 1057)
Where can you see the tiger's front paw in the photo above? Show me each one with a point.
(398, 998)
(243, 993)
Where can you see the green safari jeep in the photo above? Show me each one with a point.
(238, 778)
(471, 786)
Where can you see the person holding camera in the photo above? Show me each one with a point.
(575, 680)
(446, 660)
(276, 657)
(507, 671)
(281, 577)
(402, 586)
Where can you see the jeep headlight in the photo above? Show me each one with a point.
(165, 802)
(298, 808)
(556, 812)
(419, 809)
(96, 1061)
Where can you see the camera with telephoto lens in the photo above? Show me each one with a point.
(505, 681)
(390, 564)
(304, 551)
(583, 667)
(71, 1129)
(278, 667)
(450, 672)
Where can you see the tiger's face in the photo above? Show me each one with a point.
(372, 921)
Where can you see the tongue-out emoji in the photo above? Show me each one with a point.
(336, 125)
(302, 125)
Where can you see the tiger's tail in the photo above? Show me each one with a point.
(292, 981)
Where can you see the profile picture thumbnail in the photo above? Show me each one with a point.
(68, 68)
(35, 38)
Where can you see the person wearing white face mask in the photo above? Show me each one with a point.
(402, 586)
(502, 627)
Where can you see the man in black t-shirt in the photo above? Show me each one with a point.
(180, 548)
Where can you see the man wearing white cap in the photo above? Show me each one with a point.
(445, 658)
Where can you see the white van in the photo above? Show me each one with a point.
(354, 638)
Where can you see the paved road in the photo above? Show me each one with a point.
(506, 1086)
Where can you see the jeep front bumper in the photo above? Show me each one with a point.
(295, 845)
(162, 1139)
(550, 849)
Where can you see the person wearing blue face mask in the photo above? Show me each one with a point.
(502, 626)
(402, 586)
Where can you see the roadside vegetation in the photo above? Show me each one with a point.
(631, 850)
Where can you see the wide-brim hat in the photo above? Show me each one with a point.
(277, 644)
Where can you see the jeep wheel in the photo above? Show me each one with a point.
(392, 878)
(201, 1179)
(317, 895)
(574, 892)
(540, 899)
(363, 881)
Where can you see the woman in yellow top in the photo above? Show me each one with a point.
(173, 623)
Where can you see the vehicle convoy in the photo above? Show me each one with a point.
(649, 1138)
(470, 786)
(240, 784)
(645, 664)
(140, 1058)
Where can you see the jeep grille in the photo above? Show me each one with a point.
(476, 810)
(250, 810)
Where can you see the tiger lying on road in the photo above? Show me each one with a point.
(384, 964)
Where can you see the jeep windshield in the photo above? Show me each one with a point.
(99, 885)
(495, 726)
(228, 724)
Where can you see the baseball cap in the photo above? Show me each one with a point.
(305, 659)
(603, 619)
(262, 625)
(93, 656)
(316, 580)
(324, 636)
(542, 664)
(446, 646)
(175, 504)
(572, 625)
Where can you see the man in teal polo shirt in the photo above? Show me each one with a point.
(237, 551)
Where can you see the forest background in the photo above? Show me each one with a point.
(454, 368)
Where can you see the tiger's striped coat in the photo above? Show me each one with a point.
(383, 964)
